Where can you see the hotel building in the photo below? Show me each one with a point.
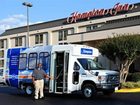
(79, 28)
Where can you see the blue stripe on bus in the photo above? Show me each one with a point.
(13, 54)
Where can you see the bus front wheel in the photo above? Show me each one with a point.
(89, 90)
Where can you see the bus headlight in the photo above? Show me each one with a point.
(102, 78)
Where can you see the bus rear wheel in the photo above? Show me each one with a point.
(29, 89)
(89, 90)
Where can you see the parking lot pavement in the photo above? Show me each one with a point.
(11, 96)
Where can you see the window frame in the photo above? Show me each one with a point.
(18, 41)
(38, 38)
(91, 27)
(62, 35)
(1, 72)
(86, 66)
(75, 66)
(2, 54)
(1, 44)
(43, 56)
(2, 63)
(19, 61)
(29, 60)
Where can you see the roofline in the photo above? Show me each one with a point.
(54, 23)
(37, 24)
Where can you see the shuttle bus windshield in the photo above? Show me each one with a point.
(89, 64)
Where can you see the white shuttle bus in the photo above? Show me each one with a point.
(72, 66)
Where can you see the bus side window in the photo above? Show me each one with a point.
(76, 66)
(22, 61)
(32, 61)
(44, 60)
(76, 73)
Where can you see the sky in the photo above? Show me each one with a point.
(13, 14)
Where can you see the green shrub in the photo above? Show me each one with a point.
(131, 85)
(135, 77)
(127, 85)
(137, 84)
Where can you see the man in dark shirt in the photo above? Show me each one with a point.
(38, 77)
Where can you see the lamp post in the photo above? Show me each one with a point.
(27, 36)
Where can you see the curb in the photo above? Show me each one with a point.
(128, 90)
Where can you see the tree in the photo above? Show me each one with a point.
(125, 48)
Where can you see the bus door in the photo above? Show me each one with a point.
(59, 71)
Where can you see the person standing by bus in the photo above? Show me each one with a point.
(38, 77)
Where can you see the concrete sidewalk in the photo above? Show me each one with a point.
(128, 90)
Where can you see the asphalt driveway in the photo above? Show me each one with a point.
(11, 96)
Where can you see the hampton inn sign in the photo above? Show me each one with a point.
(100, 12)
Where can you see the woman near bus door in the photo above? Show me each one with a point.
(38, 77)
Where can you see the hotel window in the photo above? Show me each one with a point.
(63, 35)
(1, 63)
(1, 43)
(1, 72)
(63, 43)
(1, 53)
(90, 28)
(18, 41)
(38, 38)
(71, 31)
